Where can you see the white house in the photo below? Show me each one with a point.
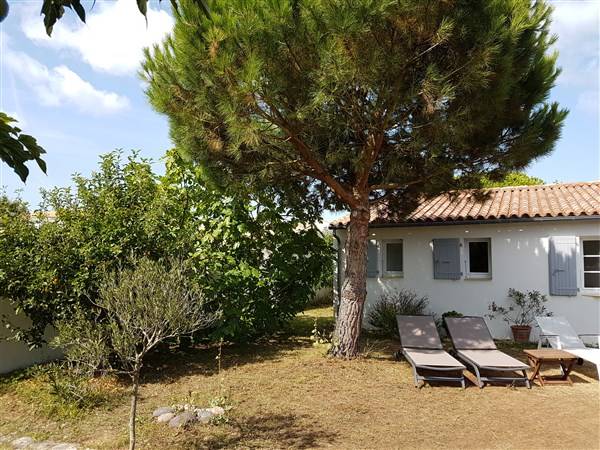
(464, 251)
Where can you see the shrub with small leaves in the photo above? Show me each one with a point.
(255, 255)
(522, 310)
(382, 316)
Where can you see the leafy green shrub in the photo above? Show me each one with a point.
(51, 263)
(524, 307)
(253, 254)
(382, 315)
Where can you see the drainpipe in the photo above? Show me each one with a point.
(337, 301)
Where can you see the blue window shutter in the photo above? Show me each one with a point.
(562, 263)
(372, 259)
(446, 259)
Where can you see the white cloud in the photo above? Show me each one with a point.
(577, 24)
(60, 85)
(589, 102)
(112, 39)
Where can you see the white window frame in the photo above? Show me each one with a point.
(582, 271)
(477, 275)
(384, 271)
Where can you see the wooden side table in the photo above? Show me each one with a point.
(539, 357)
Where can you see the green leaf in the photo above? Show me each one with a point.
(142, 6)
(78, 9)
(16, 148)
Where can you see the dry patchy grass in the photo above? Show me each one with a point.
(286, 394)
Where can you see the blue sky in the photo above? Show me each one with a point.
(79, 94)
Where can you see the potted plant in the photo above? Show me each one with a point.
(521, 312)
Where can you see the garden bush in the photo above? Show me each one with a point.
(51, 260)
(381, 317)
(259, 259)
(524, 307)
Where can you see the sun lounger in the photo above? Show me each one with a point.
(474, 345)
(422, 348)
(559, 333)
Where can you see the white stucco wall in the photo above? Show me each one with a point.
(519, 259)
(16, 355)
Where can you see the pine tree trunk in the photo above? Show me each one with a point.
(134, 396)
(354, 289)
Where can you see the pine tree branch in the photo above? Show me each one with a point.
(368, 158)
(306, 154)
(386, 186)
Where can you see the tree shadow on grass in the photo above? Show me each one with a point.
(172, 364)
(271, 431)
(303, 325)
(202, 360)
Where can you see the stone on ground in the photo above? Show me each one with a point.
(204, 415)
(26, 442)
(166, 417)
(162, 410)
(182, 419)
(22, 442)
(217, 410)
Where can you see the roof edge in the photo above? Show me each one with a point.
(473, 222)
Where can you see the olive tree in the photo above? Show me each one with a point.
(143, 306)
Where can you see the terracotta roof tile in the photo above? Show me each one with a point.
(551, 200)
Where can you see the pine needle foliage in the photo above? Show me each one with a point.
(385, 96)
(343, 103)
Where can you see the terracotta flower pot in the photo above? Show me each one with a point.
(521, 332)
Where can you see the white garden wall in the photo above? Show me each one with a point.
(519, 259)
(16, 355)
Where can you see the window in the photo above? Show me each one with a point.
(478, 258)
(591, 263)
(393, 263)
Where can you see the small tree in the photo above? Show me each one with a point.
(144, 306)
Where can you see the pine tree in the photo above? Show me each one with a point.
(352, 101)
